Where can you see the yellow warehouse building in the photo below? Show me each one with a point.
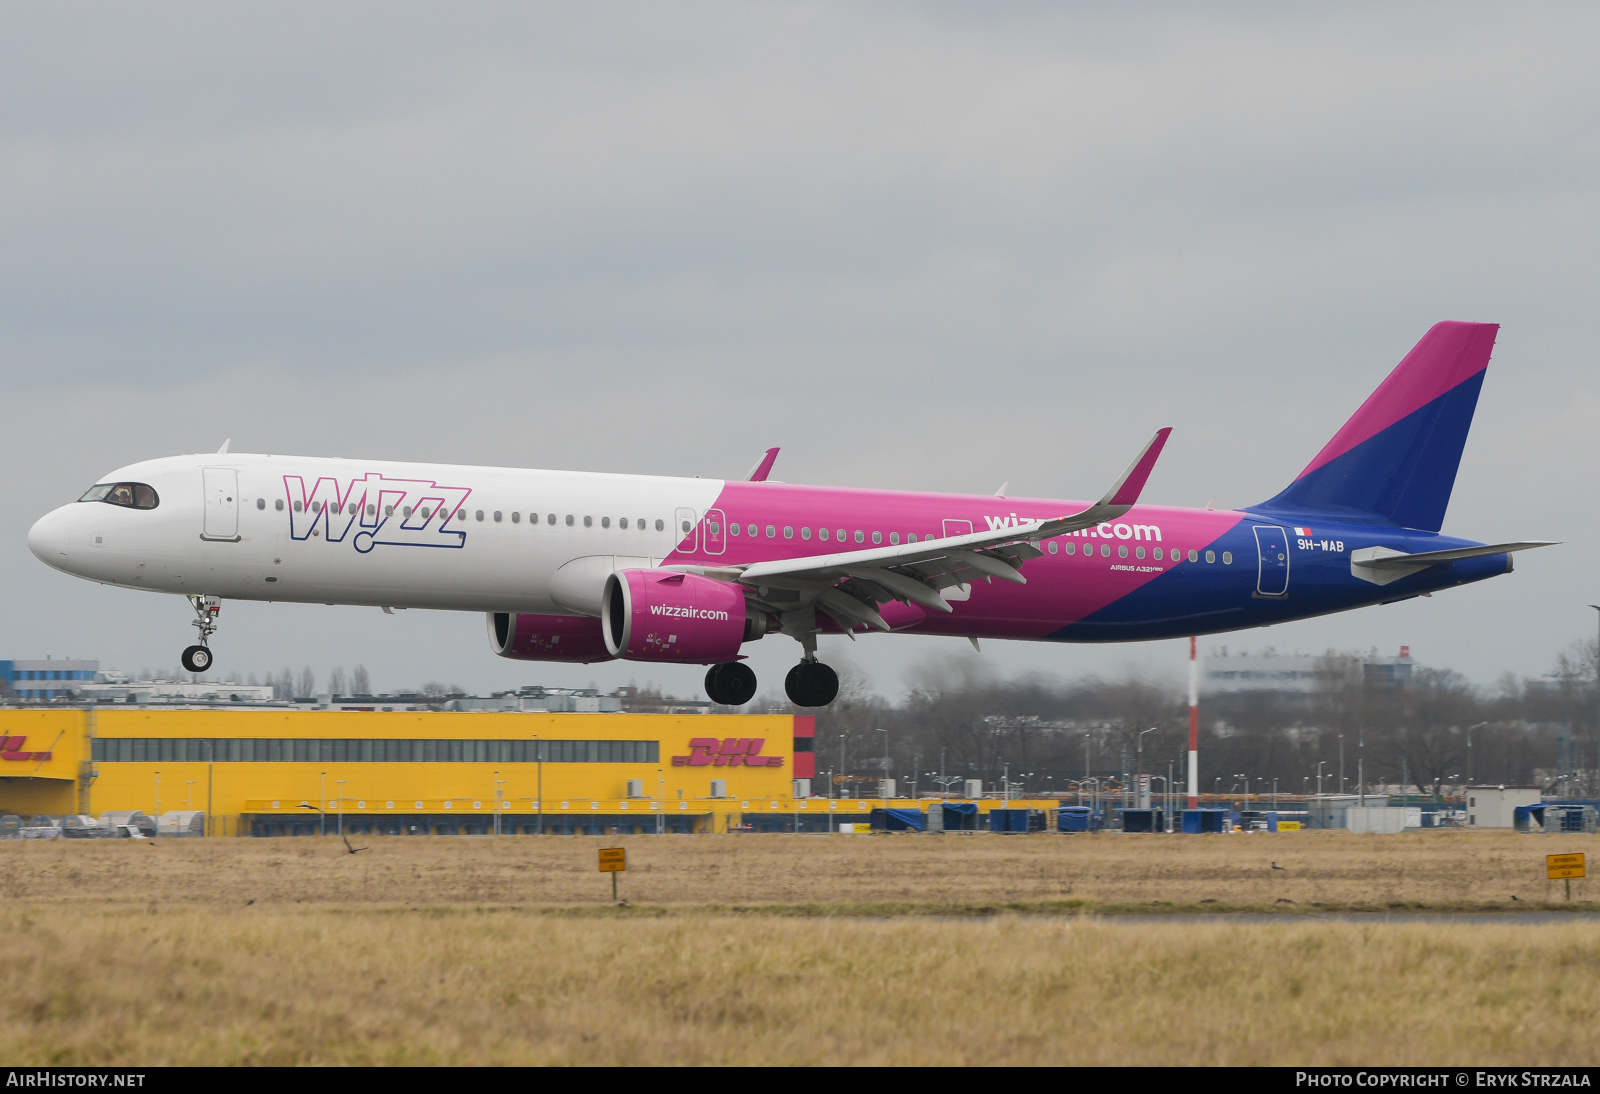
(292, 772)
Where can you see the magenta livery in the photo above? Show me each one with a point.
(572, 566)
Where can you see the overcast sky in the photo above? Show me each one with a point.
(928, 246)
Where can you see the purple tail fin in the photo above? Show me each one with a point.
(1396, 459)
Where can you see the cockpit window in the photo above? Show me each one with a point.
(129, 495)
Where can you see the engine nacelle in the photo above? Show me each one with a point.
(524, 637)
(667, 615)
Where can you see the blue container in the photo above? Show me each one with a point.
(1142, 820)
(1074, 818)
(1008, 820)
(1197, 821)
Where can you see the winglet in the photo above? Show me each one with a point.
(225, 445)
(763, 467)
(1126, 491)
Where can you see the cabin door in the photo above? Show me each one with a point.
(1272, 550)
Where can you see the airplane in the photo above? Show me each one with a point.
(582, 567)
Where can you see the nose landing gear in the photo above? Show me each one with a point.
(198, 658)
(811, 684)
(731, 684)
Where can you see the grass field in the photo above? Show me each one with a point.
(459, 951)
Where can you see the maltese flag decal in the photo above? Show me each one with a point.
(1302, 532)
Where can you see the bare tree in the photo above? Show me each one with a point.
(360, 682)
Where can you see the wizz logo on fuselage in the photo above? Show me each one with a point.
(373, 510)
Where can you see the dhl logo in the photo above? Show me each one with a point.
(11, 749)
(732, 752)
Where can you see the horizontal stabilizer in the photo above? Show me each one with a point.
(1381, 565)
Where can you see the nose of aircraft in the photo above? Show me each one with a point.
(48, 538)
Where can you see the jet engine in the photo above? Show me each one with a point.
(667, 615)
(524, 637)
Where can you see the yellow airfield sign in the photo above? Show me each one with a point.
(1556, 866)
(614, 860)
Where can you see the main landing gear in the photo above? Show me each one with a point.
(811, 684)
(731, 684)
(198, 658)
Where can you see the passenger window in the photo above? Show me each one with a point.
(588, 522)
(716, 529)
(1211, 556)
(427, 514)
(261, 503)
(569, 520)
(278, 505)
(660, 524)
(516, 518)
(552, 520)
(877, 537)
(372, 510)
(1054, 547)
(1155, 552)
(497, 516)
(772, 533)
(1193, 557)
(912, 538)
(1105, 550)
(733, 529)
(788, 532)
(1122, 550)
(1138, 552)
(480, 516)
(894, 537)
(1227, 558)
(605, 522)
(405, 511)
(805, 533)
(860, 536)
(299, 507)
(1072, 548)
(842, 535)
(822, 534)
(686, 528)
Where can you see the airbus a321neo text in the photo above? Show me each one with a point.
(572, 566)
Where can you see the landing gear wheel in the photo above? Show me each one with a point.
(731, 684)
(811, 684)
(196, 659)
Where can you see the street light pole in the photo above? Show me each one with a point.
(1596, 607)
(1470, 728)
(340, 785)
(322, 795)
(538, 756)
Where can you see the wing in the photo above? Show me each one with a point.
(849, 586)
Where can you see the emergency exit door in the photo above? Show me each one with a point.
(221, 486)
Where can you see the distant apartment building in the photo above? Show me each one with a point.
(1225, 672)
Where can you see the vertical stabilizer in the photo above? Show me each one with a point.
(1396, 459)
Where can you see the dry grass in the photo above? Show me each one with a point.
(1329, 870)
(456, 951)
(285, 985)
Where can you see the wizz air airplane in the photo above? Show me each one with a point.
(581, 567)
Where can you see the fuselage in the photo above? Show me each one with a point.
(489, 539)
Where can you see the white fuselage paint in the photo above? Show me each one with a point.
(187, 544)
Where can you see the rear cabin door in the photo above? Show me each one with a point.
(683, 526)
(221, 486)
(1272, 549)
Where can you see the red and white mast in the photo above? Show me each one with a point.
(1194, 728)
